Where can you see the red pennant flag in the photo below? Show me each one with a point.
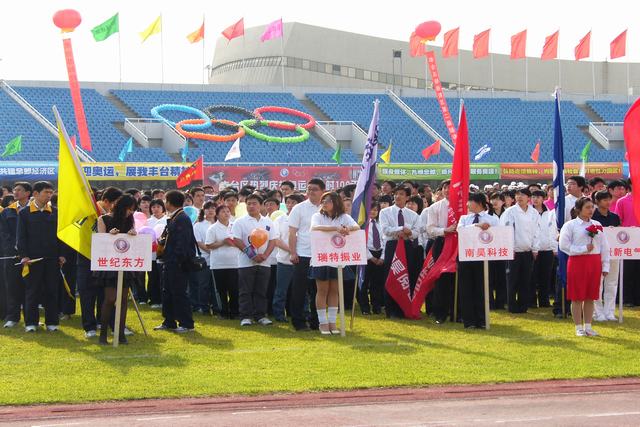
(432, 150)
(197, 35)
(235, 30)
(450, 47)
(416, 47)
(618, 47)
(397, 284)
(481, 44)
(519, 45)
(190, 174)
(535, 154)
(459, 188)
(632, 144)
(583, 48)
(550, 49)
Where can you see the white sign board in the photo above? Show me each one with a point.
(120, 252)
(624, 242)
(476, 244)
(334, 249)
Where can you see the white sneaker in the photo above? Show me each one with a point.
(10, 324)
(599, 318)
(156, 306)
(246, 322)
(30, 328)
(590, 333)
(581, 333)
(265, 321)
(182, 330)
(612, 318)
(127, 332)
(90, 334)
(52, 328)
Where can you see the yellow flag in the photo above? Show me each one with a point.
(154, 28)
(386, 156)
(25, 270)
(77, 213)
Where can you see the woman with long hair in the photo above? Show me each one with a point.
(583, 240)
(120, 220)
(331, 219)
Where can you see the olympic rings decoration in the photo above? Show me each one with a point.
(211, 109)
(311, 122)
(228, 124)
(248, 124)
(202, 125)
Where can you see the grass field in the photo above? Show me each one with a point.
(220, 358)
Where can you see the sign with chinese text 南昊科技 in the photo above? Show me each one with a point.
(334, 249)
(120, 252)
(476, 244)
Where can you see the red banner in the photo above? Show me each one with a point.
(544, 171)
(437, 87)
(271, 176)
(76, 97)
(398, 284)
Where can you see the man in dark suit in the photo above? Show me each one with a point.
(179, 249)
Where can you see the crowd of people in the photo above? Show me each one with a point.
(274, 281)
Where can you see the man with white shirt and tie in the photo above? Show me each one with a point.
(525, 222)
(437, 228)
(399, 223)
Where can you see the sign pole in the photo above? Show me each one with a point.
(135, 305)
(355, 294)
(486, 293)
(343, 332)
(621, 291)
(455, 299)
(564, 314)
(116, 329)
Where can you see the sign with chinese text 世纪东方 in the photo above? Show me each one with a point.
(120, 252)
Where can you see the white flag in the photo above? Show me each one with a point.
(234, 151)
(481, 152)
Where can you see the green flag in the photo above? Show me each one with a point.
(106, 29)
(337, 156)
(13, 147)
(584, 156)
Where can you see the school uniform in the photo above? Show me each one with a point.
(525, 224)
(543, 272)
(443, 292)
(471, 277)
(284, 270)
(605, 306)
(15, 284)
(37, 238)
(154, 285)
(497, 280)
(371, 295)
(3, 282)
(393, 220)
(223, 262)
(201, 289)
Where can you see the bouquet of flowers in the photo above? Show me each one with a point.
(593, 229)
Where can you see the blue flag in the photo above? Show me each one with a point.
(558, 184)
(127, 148)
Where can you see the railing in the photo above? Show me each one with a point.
(419, 120)
(326, 136)
(605, 132)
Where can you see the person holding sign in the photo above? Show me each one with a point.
(331, 219)
(588, 250)
(470, 274)
(255, 236)
(120, 220)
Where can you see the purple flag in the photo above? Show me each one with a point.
(273, 31)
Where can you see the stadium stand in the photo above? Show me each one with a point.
(609, 111)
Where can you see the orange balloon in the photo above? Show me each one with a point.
(258, 237)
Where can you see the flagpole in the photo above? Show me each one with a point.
(203, 41)
(282, 52)
(559, 73)
(161, 54)
(119, 55)
(526, 77)
(492, 81)
(593, 77)
(244, 69)
(459, 91)
(628, 85)
(426, 78)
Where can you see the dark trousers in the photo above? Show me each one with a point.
(302, 288)
(443, 292)
(4, 293)
(138, 287)
(271, 288)
(541, 279)
(91, 296)
(176, 308)
(518, 279)
(631, 289)
(471, 287)
(497, 284)
(252, 291)
(15, 291)
(201, 290)
(558, 286)
(154, 287)
(372, 292)
(227, 285)
(68, 303)
(42, 284)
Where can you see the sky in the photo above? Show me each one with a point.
(31, 47)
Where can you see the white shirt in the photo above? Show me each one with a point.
(282, 225)
(569, 203)
(548, 235)
(483, 218)
(370, 246)
(225, 256)
(574, 239)
(437, 218)
(300, 218)
(200, 233)
(243, 227)
(324, 220)
(152, 221)
(389, 222)
(273, 258)
(424, 233)
(525, 227)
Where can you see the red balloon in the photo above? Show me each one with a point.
(67, 20)
(428, 30)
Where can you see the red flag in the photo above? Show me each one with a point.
(582, 50)
(397, 284)
(481, 44)
(197, 35)
(450, 47)
(519, 45)
(632, 144)
(235, 30)
(432, 150)
(618, 47)
(550, 49)
(535, 154)
(190, 174)
(459, 188)
(76, 96)
(416, 47)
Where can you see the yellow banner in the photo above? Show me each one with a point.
(129, 171)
